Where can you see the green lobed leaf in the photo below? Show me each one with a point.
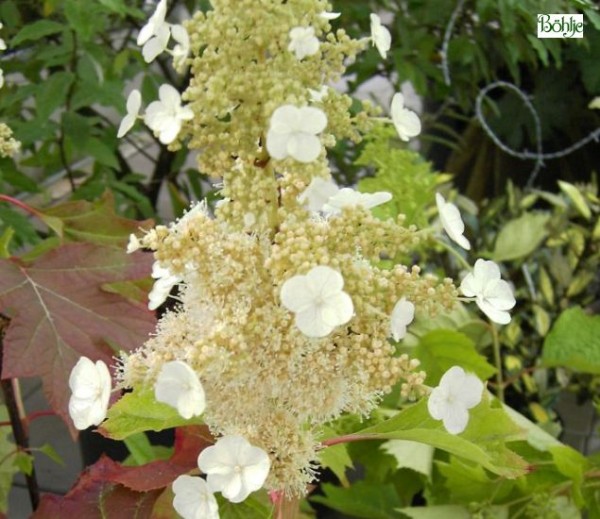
(574, 342)
(484, 440)
(521, 236)
(9, 465)
(253, 507)
(576, 198)
(439, 350)
(437, 512)
(337, 459)
(53, 93)
(138, 412)
(411, 455)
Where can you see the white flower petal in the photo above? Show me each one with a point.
(155, 22)
(193, 499)
(497, 316)
(407, 122)
(90, 385)
(456, 419)
(382, 39)
(178, 385)
(317, 193)
(303, 42)
(402, 315)
(452, 221)
(312, 120)
(304, 147)
(330, 15)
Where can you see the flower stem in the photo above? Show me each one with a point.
(455, 253)
(497, 362)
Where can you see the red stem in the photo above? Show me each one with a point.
(347, 439)
(39, 414)
(20, 204)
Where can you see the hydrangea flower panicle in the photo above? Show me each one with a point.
(193, 499)
(165, 117)
(293, 133)
(318, 301)
(451, 400)
(402, 315)
(234, 467)
(303, 42)
(134, 103)
(452, 221)
(406, 121)
(347, 197)
(178, 385)
(492, 294)
(380, 35)
(90, 386)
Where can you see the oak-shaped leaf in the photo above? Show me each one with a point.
(59, 312)
(119, 490)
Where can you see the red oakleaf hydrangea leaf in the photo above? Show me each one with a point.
(59, 312)
(120, 491)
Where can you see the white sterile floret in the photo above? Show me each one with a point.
(90, 386)
(406, 121)
(133, 244)
(165, 117)
(234, 467)
(165, 281)
(402, 315)
(347, 197)
(452, 221)
(157, 44)
(134, 103)
(451, 400)
(156, 21)
(317, 193)
(329, 15)
(182, 49)
(317, 96)
(492, 294)
(178, 386)
(381, 37)
(293, 133)
(303, 42)
(193, 499)
(318, 301)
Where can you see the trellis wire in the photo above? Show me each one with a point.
(539, 154)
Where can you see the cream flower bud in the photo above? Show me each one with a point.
(90, 386)
(234, 467)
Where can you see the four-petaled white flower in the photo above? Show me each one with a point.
(166, 116)
(406, 121)
(347, 197)
(492, 294)
(134, 103)
(452, 221)
(193, 499)
(182, 49)
(90, 386)
(293, 133)
(178, 385)
(317, 193)
(451, 400)
(381, 37)
(234, 467)
(318, 301)
(402, 315)
(303, 42)
(165, 281)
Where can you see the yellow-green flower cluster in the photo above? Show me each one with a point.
(9, 146)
